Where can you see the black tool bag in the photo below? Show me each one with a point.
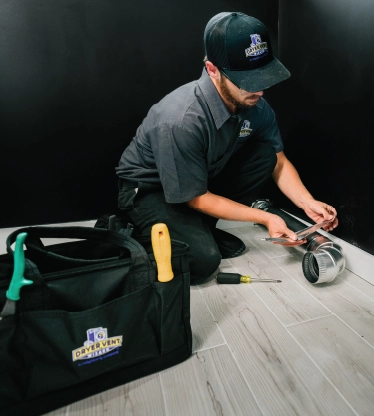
(95, 317)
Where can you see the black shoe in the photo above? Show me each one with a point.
(228, 245)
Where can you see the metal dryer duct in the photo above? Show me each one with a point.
(323, 260)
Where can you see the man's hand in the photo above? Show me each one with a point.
(289, 182)
(278, 229)
(220, 207)
(319, 211)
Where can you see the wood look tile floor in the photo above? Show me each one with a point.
(286, 349)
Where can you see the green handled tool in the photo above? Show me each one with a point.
(18, 279)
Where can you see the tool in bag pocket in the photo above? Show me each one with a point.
(95, 317)
(17, 280)
(162, 251)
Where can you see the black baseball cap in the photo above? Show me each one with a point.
(239, 45)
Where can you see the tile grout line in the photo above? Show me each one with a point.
(308, 320)
(306, 353)
(332, 313)
(232, 354)
(303, 288)
(284, 255)
(369, 297)
(163, 389)
(286, 328)
(327, 378)
(317, 300)
(354, 331)
(209, 348)
(300, 346)
(277, 257)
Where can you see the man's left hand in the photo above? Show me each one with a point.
(319, 211)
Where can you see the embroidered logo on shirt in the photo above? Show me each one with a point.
(257, 46)
(245, 130)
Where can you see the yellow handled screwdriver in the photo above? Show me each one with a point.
(162, 251)
(235, 278)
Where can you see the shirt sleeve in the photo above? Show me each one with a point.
(269, 131)
(179, 155)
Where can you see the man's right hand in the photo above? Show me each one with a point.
(278, 229)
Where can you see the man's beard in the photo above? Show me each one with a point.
(229, 97)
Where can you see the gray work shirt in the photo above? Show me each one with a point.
(187, 138)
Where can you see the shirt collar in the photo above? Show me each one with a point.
(217, 107)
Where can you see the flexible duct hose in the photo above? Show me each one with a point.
(323, 260)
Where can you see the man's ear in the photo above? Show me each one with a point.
(212, 70)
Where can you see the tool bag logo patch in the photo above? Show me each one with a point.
(97, 345)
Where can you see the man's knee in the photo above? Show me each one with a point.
(204, 262)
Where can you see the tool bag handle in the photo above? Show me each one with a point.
(137, 251)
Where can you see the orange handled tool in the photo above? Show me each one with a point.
(162, 251)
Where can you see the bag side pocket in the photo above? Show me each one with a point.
(172, 332)
(11, 365)
(66, 348)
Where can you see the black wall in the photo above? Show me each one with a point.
(78, 76)
(325, 110)
(76, 79)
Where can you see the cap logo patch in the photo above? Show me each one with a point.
(257, 47)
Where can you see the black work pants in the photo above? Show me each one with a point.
(241, 180)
